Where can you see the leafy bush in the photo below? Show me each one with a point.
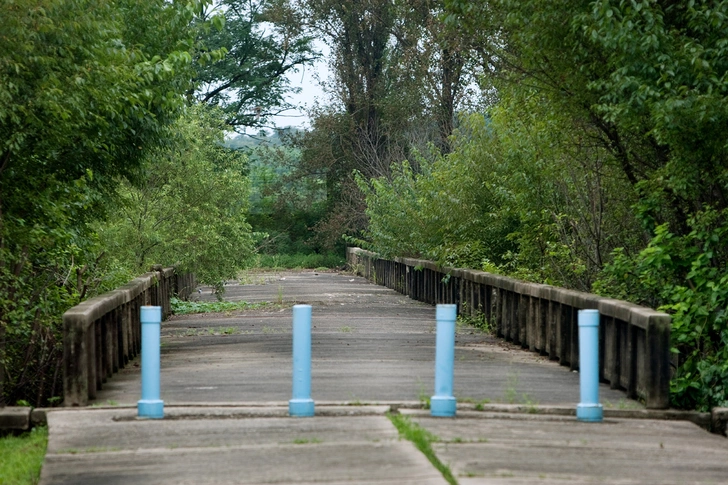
(687, 277)
(189, 209)
(87, 89)
(510, 198)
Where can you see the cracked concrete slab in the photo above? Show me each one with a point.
(520, 449)
(110, 446)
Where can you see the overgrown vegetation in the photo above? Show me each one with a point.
(600, 164)
(188, 209)
(107, 164)
(299, 261)
(183, 307)
(88, 91)
(23, 457)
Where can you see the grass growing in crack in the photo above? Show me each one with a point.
(182, 307)
(306, 441)
(109, 402)
(423, 440)
(479, 404)
(512, 396)
(22, 457)
(423, 397)
(621, 404)
(207, 331)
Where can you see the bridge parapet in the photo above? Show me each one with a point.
(102, 334)
(634, 341)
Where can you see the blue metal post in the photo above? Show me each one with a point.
(301, 405)
(589, 408)
(150, 405)
(443, 403)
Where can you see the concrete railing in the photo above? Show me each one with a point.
(634, 341)
(102, 334)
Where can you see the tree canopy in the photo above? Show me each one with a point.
(265, 41)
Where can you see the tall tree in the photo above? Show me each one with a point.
(265, 40)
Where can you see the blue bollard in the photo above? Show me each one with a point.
(150, 405)
(301, 405)
(589, 408)
(443, 403)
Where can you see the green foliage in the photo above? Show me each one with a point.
(86, 89)
(89, 97)
(508, 199)
(687, 274)
(265, 41)
(23, 457)
(182, 307)
(604, 146)
(667, 75)
(439, 213)
(189, 208)
(478, 320)
(298, 261)
(286, 202)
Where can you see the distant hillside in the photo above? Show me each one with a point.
(264, 137)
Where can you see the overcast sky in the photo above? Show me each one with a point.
(311, 90)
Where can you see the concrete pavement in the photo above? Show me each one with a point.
(369, 344)
(208, 446)
(226, 380)
(359, 445)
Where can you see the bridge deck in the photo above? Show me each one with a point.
(370, 345)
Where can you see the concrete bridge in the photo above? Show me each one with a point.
(226, 379)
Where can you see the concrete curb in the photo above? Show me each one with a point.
(13, 419)
(704, 420)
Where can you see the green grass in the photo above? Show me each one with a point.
(320, 262)
(479, 403)
(208, 331)
(423, 440)
(306, 441)
(423, 397)
(22, 457)
(181, 307)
